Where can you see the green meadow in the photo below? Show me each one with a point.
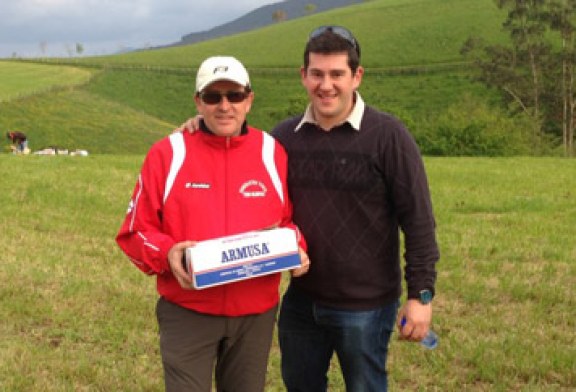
(19, 79)
(77, 316)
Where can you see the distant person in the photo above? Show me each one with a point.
(19, 142)
(356, 179)
(189, 190)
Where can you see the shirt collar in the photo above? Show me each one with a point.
(354, 119)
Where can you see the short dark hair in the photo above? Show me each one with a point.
(330, 39)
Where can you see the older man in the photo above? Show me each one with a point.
(190, 189)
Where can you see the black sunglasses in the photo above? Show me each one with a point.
(213, 97)
(340, 31)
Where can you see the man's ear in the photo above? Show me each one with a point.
(249, 101)
(302, 75)
(358, 76)
(198, 103)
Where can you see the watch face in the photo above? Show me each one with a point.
(425, 296)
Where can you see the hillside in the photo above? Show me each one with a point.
(264, 16)
(411, 56)
(392, 33)
(18, 80)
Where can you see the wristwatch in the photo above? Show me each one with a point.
(425, 297)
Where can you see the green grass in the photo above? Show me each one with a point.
(18, 80)
(76, 315)
(124, 111)
(75, 119)
(279, 94)
(506, 227)
(391, 32)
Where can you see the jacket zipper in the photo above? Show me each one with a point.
(226, 179)
(226, 214)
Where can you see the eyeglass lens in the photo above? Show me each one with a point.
(213, 98)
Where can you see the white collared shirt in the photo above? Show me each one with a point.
(354, 119)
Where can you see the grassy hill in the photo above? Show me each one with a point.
(264, 16)
(18, 80)
(410, 51)
(392, 33)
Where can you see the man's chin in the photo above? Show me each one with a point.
(326, 111)
(326, 105)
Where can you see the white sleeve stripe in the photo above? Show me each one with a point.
(268, 159)
(146, 242)
(178, 155)
(154, 247)
(135, 206)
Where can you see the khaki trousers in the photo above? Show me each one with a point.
(193, 345)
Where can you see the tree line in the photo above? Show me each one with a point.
(535, 71)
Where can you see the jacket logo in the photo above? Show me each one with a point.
(197, 185)
(253, 188)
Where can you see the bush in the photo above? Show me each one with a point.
(471, 127)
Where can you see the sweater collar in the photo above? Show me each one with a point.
(354, 119)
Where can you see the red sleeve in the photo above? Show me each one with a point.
(140, 236)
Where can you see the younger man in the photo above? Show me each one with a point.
(356, 179)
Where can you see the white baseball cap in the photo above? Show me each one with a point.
(218, 68)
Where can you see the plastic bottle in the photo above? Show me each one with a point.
(430, 341)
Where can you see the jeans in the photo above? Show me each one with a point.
(310, 333)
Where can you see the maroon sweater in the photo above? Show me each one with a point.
(352, 192)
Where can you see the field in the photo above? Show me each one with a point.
(80, 317)
(19, 79)
(77, 316)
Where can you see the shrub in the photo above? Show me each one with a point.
(471, 127)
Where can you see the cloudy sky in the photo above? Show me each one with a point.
(31, 28)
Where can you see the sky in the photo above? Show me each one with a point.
(43, 28)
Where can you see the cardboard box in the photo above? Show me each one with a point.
(243, 256)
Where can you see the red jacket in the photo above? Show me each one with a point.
(200, 186)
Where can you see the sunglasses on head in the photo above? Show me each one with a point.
(340, 31)
(213, 97)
